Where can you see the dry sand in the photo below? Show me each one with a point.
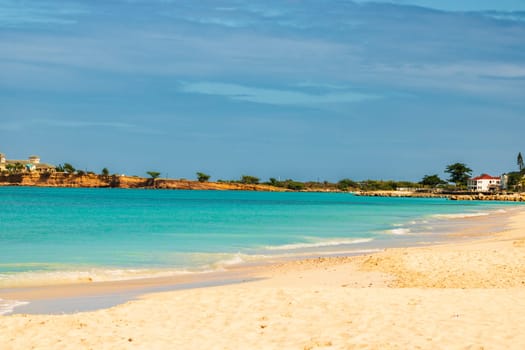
(467, 295)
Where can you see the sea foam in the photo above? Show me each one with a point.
(399, 231)
(460, 215)
(42, 278)
(7, 306)
(320, 244)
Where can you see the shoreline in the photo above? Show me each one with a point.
(64, 180)
(458, 295)
(405, 230)
(86, 295)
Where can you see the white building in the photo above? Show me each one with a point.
(25, 165)
(484, 183)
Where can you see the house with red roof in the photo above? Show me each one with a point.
(484, 183)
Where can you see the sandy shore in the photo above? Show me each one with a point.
(468, 295)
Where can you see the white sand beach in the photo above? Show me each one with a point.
(468, 295)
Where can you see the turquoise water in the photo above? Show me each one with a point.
(62, 234)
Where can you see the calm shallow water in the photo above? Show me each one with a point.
(56, 235)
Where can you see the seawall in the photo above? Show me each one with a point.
(509, 197)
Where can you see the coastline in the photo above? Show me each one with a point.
(77, 291)
(453, 295)
(504, 197)
(65, 180)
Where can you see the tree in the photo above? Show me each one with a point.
(68, 168)
(153, 174)
(514, 180)
(432, 180)
(344, 184)
(202, 177)
(15, 168)
(273, 182)
(294, 185)
(520, 162)
(59, 168)
(247, 179)
(105, 171)
(459, 174)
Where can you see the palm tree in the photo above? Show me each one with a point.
(16, 168)
(520, 161)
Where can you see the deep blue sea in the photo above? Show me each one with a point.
(56, 235)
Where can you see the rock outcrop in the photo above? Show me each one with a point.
(512, 197)
(117, 181)
(400, 194)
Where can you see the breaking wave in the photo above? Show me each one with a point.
(399, 231)
(460, 215)
(321, 244)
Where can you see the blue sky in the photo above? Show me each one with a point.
(290, 89)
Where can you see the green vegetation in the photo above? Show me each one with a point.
(202, 177)
(342, 185)
(288, 183)
(432, 181)
(295, 185)
(459, 174)
(68, 168)
(347, 184)
(273, 182)
(375, 185)
(249, 180)
(14, 168)
(516, 179)
(153, 174)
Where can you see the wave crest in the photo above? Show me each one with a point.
(328, 243)
(460, 215)
(399, 231)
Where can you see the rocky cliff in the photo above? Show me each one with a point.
(116, 181)
(58, 180)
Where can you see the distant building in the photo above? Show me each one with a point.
(25, 165)
(484, 183)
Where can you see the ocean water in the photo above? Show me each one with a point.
(64, 235)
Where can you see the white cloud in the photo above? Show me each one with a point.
(21, 13)
(275, 96)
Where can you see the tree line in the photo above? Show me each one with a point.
(458, 175)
